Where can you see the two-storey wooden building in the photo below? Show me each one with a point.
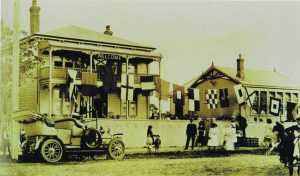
(91, 73)
(259, 86)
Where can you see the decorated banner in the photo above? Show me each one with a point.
(224, 101)
(275, 106)
(211, 98)
(240, 93)
(147, 82)
(194, 99)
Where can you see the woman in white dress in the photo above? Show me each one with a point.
(213, 137)
(230, 138)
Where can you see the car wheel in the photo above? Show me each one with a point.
(116, 149)
(51, 150)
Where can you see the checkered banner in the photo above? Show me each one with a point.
(194, 99)
(275, 106)
(211, 98)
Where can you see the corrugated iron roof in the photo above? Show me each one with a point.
(75, 32)
(253, 77)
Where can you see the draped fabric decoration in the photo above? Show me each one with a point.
(194, 99)
(211, 98)
(240, 93)
(224, 101)
(178, 94)
(162, 89)
(89, 84)
(110, 74)
(275, 106)
(70, 82)
(127, 82)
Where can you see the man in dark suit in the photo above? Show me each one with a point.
(191, 132)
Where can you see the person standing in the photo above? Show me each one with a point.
(213, 137)
(201, 133)
(191, 132)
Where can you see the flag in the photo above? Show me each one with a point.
(70, 81)
(127, 82)
(178, 94)
(147, 82)
(251, 95)
(224, 102)
(240, 93)
(162, 89)
(211, 98)
(89, 84)
(275, 106)
(194, 99)
(108, 75)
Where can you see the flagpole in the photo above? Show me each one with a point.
(159, 100)
(15, 78)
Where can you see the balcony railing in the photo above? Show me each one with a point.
(61, 73)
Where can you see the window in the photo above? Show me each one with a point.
(58, 64)
(68, 65)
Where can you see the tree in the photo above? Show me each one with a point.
(28, 60)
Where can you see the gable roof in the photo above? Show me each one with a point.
(79, 33)
(253, 77)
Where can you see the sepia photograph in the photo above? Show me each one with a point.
(149, 88)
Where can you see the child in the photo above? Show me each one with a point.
(157, 143)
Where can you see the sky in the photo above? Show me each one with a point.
(190, 34)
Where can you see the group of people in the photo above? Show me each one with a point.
(210, 135)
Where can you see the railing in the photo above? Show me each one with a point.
(61, 73)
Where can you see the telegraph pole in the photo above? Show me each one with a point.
(15, 79)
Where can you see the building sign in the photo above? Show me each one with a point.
(110, 56)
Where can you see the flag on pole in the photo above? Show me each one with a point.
(240, 93)
(194, 99)
(275, 106)
(211, 98)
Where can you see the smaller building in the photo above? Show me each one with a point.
(219, 94)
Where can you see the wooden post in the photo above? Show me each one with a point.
(50, 85)
(159, 102)
(14, 130)
(127, 83)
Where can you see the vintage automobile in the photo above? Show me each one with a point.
(51, 140)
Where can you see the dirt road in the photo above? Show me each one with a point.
(236, 164)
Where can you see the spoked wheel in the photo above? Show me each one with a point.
(116, 149)
(51, 151)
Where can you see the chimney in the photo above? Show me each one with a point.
(34, 18)
(240, 68)
(108, 31)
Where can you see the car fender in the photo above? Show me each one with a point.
(39, 140)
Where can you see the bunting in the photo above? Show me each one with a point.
(70, 82)
(89, 84)
(162, 89)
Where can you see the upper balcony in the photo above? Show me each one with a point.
(61, 74)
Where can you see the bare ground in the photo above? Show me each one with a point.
(182, 163)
